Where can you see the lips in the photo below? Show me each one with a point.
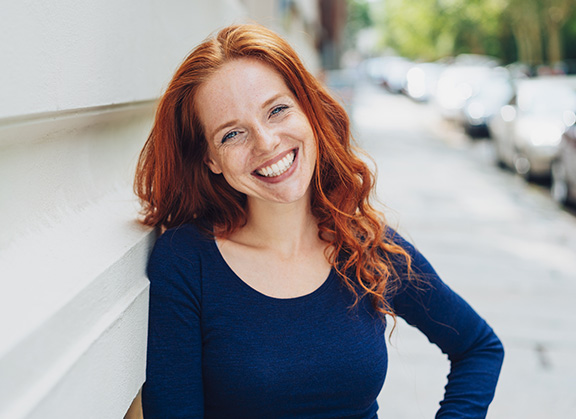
(279, 167)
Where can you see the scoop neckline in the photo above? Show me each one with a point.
(317, 292)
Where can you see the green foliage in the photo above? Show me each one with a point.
(414, 28)
(530, 30)
(569, 37)
(359, 17)
(430, 29)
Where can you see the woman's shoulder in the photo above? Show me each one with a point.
(417, 261)
(392, 235)
(175, 265)
(184, 236)
(185, 243)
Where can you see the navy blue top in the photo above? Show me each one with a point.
(218, 348)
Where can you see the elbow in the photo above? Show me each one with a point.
(488, 351)
(499, 349)
(493, 351)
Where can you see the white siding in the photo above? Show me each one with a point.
(78, 85)
(79, 82)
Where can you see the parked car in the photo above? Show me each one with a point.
(493, 92)
(477, 60)
(380, 69)
(528, 130)
(564, 168)
(456, 85)
(396, 75)
(421, 80)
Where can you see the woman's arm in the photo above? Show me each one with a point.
(474, 350)
(173, 387)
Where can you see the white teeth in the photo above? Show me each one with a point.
(279, 167)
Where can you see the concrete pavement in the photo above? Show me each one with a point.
(499, 242)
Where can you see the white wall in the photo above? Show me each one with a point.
(70, 54)
(78, 85)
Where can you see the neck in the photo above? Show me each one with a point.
(287, 228)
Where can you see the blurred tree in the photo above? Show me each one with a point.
(415, 28)
(524, 18)
(477, 25)
(569, 34)
(359, 17)
(360, 27)
(430, 29)
(556, 15)
(537, 26)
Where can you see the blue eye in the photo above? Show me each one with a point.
(278, 109)
(230, 135)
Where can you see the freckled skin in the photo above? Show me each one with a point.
(252, 120)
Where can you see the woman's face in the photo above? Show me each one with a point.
(258, 137)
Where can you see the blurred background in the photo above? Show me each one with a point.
(466, 110)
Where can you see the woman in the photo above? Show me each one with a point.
(270, 286)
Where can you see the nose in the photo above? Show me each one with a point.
(265, 139)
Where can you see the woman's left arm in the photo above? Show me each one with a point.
(474, 350)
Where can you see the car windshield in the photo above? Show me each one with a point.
(547, 99)
(495, 89)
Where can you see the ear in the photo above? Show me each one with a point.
(213, 165)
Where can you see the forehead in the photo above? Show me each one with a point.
(240, 83)
(244, 72)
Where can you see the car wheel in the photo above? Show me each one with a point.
(501, 164)
(499, 157)
(559, 187)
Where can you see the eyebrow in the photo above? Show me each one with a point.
(235, 121)
(224, 125)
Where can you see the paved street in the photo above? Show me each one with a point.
(499, 242)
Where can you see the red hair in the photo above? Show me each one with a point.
(176, 187)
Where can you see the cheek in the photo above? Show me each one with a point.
(306, 131)
(310, 141)
(299, 129)
(232, 162)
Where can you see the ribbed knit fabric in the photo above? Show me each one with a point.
(218, 348)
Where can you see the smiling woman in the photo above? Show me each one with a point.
(273, 279)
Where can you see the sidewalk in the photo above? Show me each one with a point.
(500, 243)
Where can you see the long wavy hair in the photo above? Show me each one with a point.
(176, 186)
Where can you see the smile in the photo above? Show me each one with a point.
(279, 167)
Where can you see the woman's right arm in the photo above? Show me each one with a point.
(173, 387)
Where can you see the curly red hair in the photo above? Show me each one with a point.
(176, 187)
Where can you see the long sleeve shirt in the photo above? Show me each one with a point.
(218, 348)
